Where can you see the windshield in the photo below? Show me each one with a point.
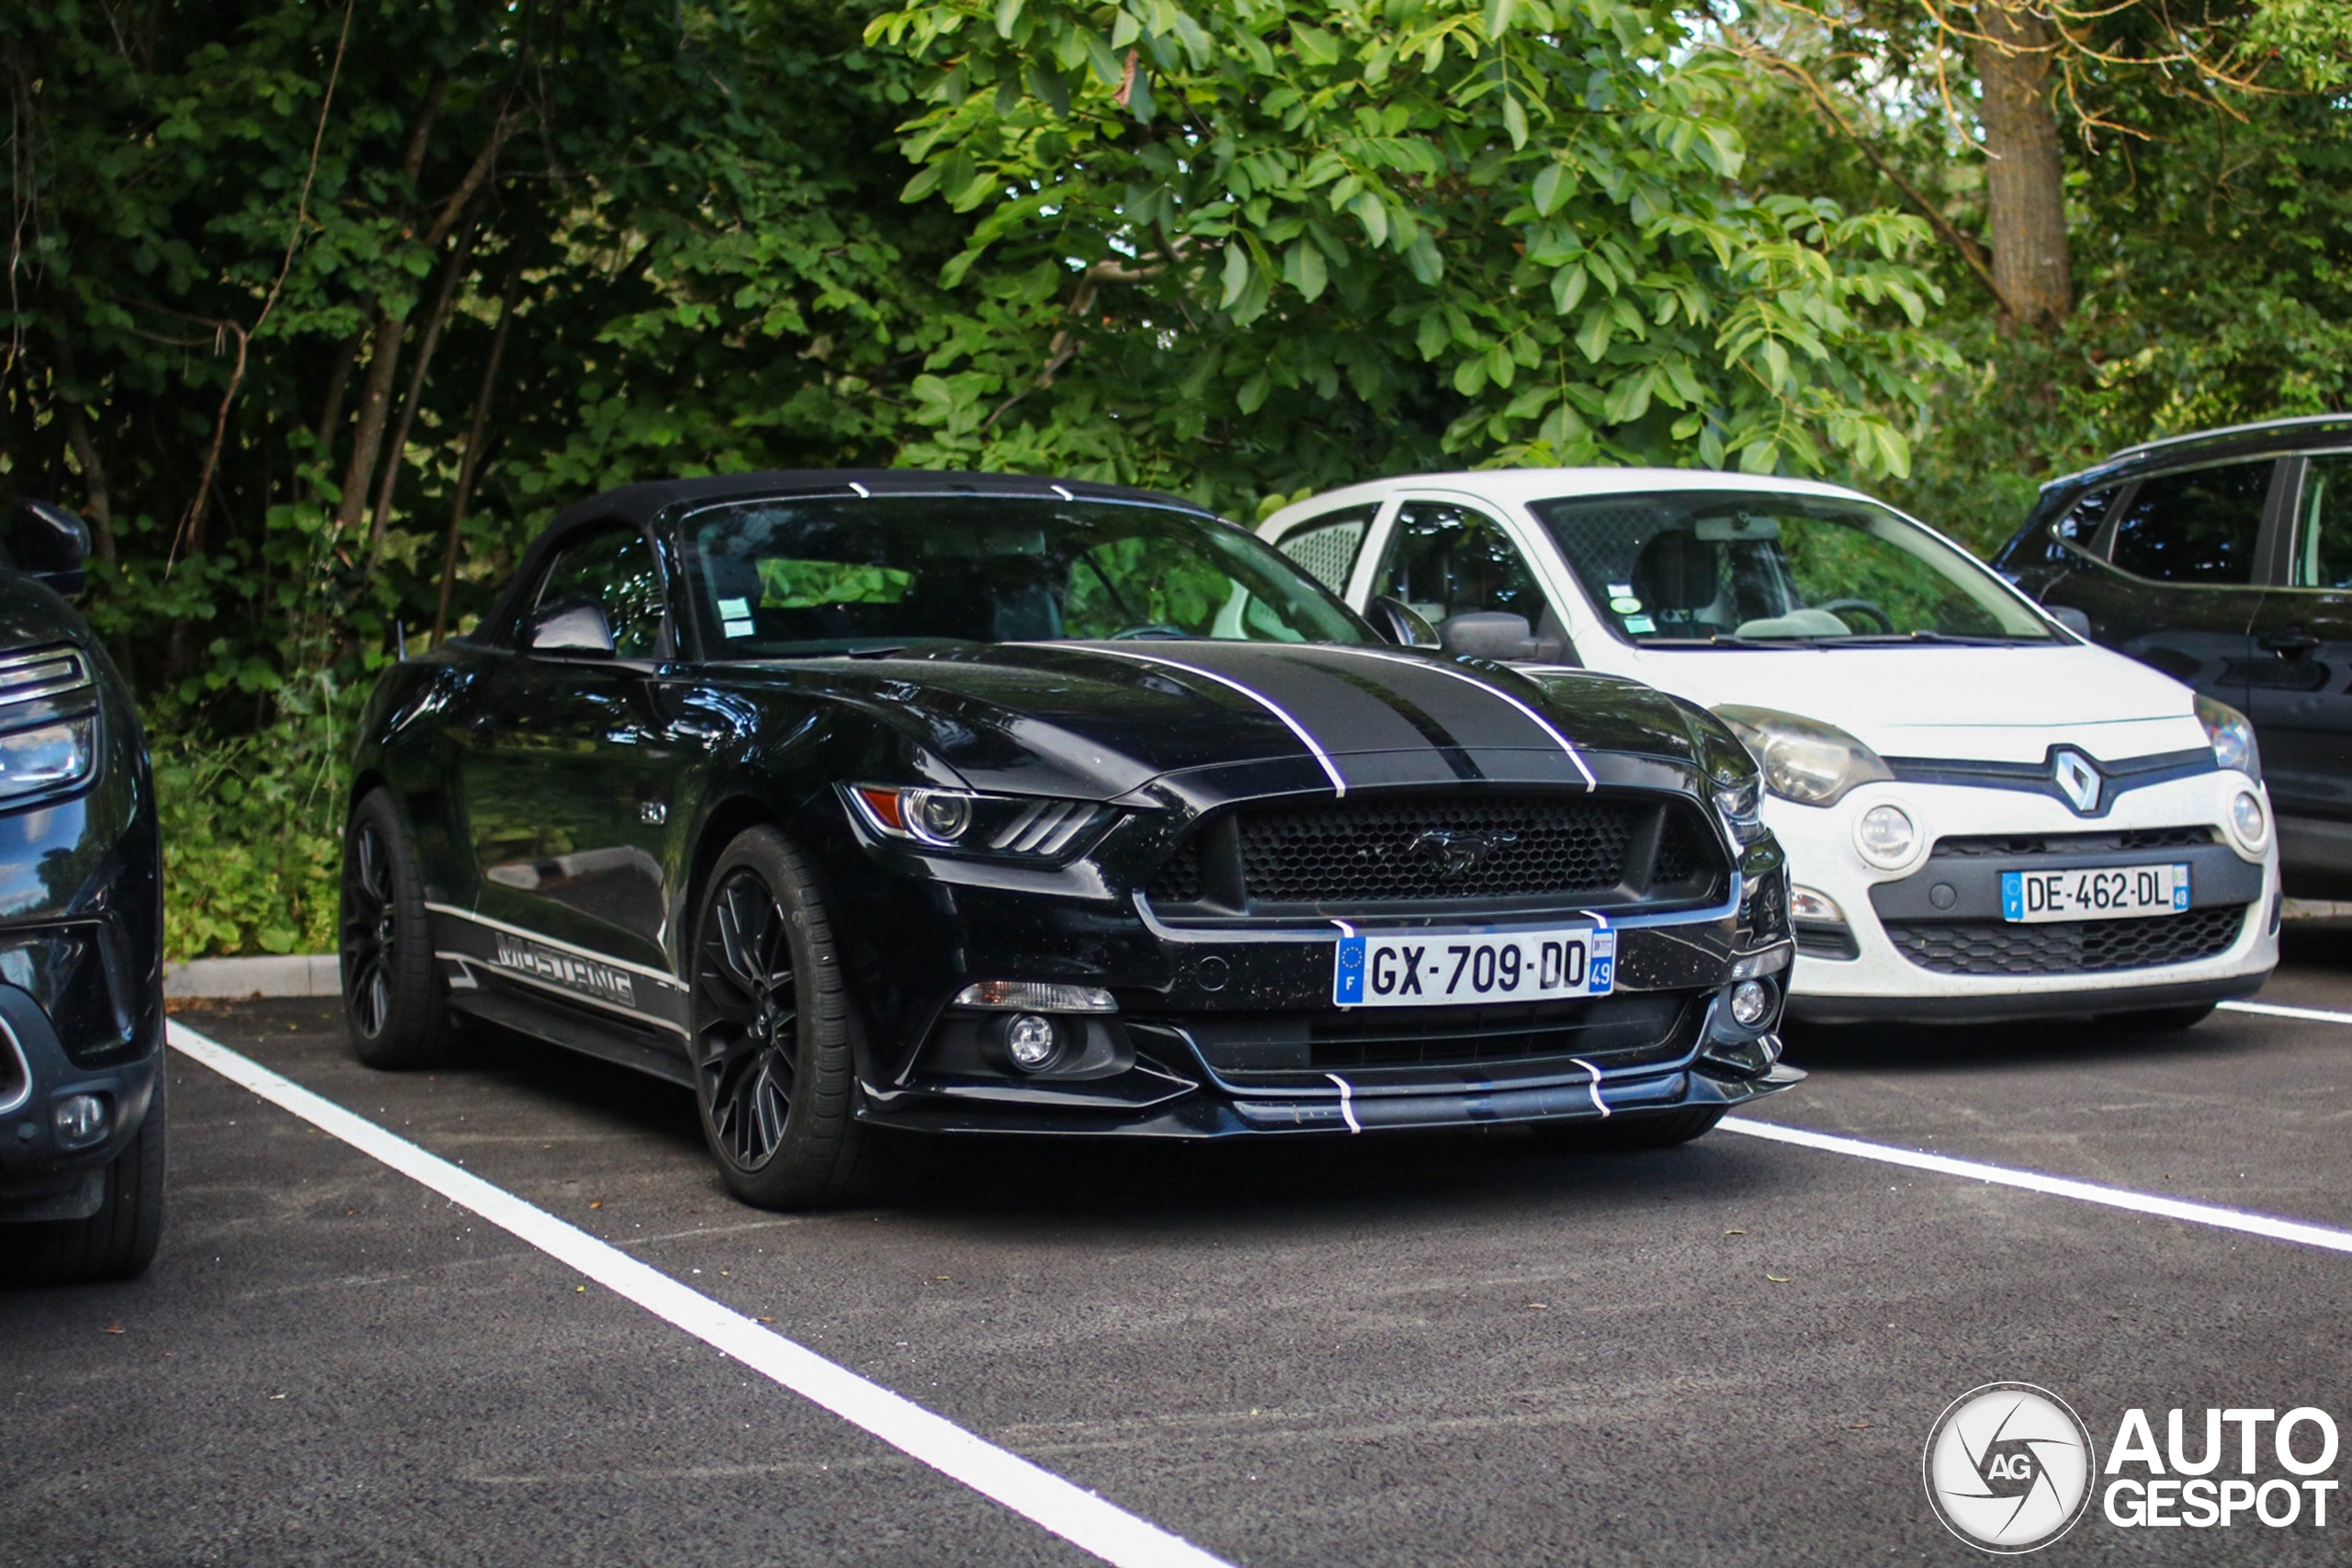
(810, 577)
(1728, 566)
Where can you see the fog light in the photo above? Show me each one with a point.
(1885, 835)
(2248, 820)
(79, 1119)
(1750, 1000)
(1031, 1041)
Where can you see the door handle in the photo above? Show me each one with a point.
(2294, 642)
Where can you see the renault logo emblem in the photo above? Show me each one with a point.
(2078, 779)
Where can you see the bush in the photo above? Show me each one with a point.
(253, 827)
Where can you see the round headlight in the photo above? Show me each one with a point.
(1750, 1000)
(2248, 821)
(938, 815)
(1885, 836)
(1031, 1041)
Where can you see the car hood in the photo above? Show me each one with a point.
(1991, 703)
(1101, 720)
(33, 615)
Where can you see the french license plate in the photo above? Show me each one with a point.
(2099, 893)
(1422, 969)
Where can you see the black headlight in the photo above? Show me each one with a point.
(1015, 827)
(1732, 780)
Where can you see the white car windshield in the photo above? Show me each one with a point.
(1732, 569)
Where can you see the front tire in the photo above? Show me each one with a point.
(776, 1075)
(120, 1240)
(393, 999)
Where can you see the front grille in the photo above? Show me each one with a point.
(2009, 845)
(1608, 1032)
(2067, 947)
(1377, 851)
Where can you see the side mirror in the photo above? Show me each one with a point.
(1403, 625)
(49, 544)
(2073, 620)
(576, 626)
(1489, 634)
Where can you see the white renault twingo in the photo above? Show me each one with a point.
(1986, 816)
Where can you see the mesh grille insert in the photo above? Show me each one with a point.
(2066, 947)
(2000, 845)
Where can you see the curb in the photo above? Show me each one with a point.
(295, 975)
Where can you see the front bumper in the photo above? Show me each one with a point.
(1883, 979)
(46, 1174)
(1229, 1030)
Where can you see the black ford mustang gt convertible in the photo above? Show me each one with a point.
(965, 803)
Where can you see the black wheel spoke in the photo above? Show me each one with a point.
(746, 1019)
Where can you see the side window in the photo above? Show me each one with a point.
(614, 569)
(2198, 526)
(1447, 560)
(2323, 524)
(1325, 546)
(2080, 524)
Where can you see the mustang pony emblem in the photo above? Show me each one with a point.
(1456, 855)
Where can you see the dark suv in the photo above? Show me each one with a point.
(2225, 558)
(81, 932)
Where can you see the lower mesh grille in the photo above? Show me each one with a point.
(2066, 947)
(1609, 1032)
(2009, 845)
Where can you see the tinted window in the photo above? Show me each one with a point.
(2198, 526)
(2323, 525)
(1450, 560)
(1719, 567)
(615, 569)
(1326, 545)
(816, 576)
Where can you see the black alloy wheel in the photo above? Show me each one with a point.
(775, 1067)
(393, 999)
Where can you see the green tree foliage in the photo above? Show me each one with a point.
(2210, 231)
(1254, 246)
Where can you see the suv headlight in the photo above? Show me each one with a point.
(1018, 827)
(1804, 759)
(33, 762)
(2232, 737)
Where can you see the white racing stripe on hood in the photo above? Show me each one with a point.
(1330, 769)
(1468, 678)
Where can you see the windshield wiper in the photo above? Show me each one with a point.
(1954, 637)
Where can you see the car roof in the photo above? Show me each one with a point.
(2269, 435)
(642, 502)
(1525, 485)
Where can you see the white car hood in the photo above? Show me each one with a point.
(1988, 703)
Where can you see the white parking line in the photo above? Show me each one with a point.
(1077, 1516)
(2273, 1010)
(2055, 1185)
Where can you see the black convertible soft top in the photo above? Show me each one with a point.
(641, 502)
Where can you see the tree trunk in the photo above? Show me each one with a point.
(430, 340)
(330, 413)
(2025, 176)
(470, 465)
(98, 502)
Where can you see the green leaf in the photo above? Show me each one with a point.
(1251, 395)
(1551, 188)
(1236, 274)
(1314, 45)
(1303, 268)
(1008, 12)
(1567, 288)
(1594, 336)
(1374, 215)
(1429, 267)
(1515, 119)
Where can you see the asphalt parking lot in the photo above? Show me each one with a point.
(1432, 1349)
